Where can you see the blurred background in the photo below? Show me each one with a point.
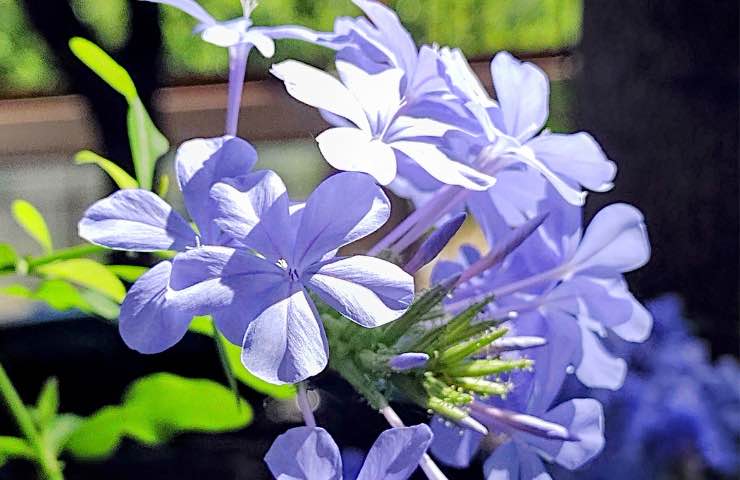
(656, 82)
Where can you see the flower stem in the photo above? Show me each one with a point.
(305, 406)
(426, 463)
(46, 458)
(237, 71)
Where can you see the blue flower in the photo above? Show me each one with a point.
(280, 251)
(138, 220)
(309, 453)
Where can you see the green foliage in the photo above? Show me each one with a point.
(154, 409)
(31, 220)
(147, 142)
(14, 447)
(119, 175)
(87, 273)
(479, 27)
(47, 404)
(204, 326)
(128, 273)
(8, 256)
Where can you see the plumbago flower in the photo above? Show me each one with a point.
(389, 106)
(526, 429)
(151, 319)
(239, 35)
(281, 251)
(309, 453)
(561, 279)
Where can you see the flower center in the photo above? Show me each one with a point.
(292, 272)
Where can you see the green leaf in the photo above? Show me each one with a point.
(8, 257)
(146, 141)
(104, 66)
(47, 404)
(87, 273)
(29, 218)
(14, 447)
(203, 326)
(154, 409)
(58, 294)
(101, 305)
(119, 175)
(128, 273)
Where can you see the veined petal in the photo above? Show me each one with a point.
(254, 210)
(354, 150)
(222, 34)
(523, 91)
(565, 187)
(395, 36)
(190, 7)
(305, 453)
(367, 290)
(598, 368)
(319, 89)
(452, 445)
(201, 162)
(297, 32)
(345, 207)
(148, 323)
(138, 220)
(463, 79)
(512, 461)
(436, 163)
(584, 418)
(379, 94)
(232, 285)
(286, 343)
(396, 453)
(577, 157)
(616, 241)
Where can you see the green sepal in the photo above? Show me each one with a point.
(484, 368)
(469, 347)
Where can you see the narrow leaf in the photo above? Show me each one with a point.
(128, 273)
(147, 142)
(87, 273)
(103, 65)
(14, 447)
(31, 220)
(119, 175)
(47, 404)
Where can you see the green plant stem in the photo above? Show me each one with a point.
(65, 254)
(46, 459)
(78, 251)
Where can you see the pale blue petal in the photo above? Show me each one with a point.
(584, 419)
(597, 367)
(353, 150)
(523, 91)
(511, 461)
(393, 34)
(148, 323)
(452, 445)
(396, 453)
(319, 89)
(577, 157)
(343, 208)
(201, 162)
(305, 453)
(254, 210)
(439, 166)
(367, 290)
(286, 343)
(615, 242)
(232, 285)
(137, 220)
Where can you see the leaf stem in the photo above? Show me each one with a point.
(47, 460)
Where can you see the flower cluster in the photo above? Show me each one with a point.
(419, 122)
